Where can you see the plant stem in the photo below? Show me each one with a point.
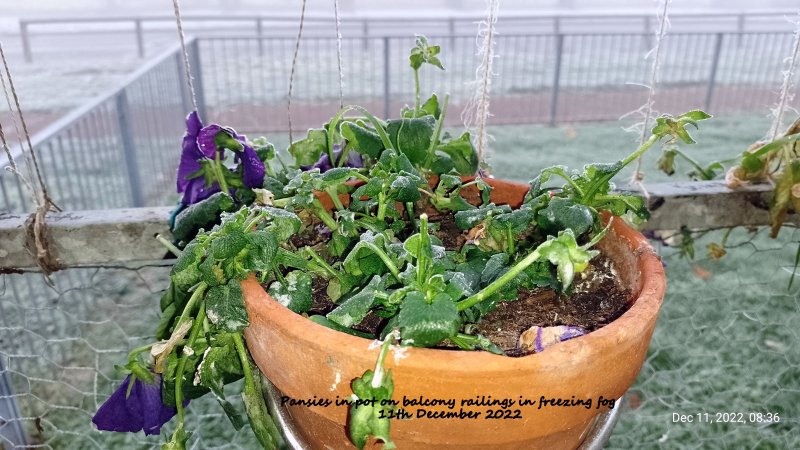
(702, 172)
(437, 132)
(501, 281)
(196, 327)
(172, 249)
(377, 374)
(198, 293)
(416, 91)
(218, 167)
(252, 221)
(410, 213)
(321, 262)
(337, 202)
(384, 257)
(595, 186)
(382, 205)
(324, 216)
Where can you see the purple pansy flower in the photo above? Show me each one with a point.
(142, 410)
(193, 189)
(353, 159)
(200, 143)
(252, 167)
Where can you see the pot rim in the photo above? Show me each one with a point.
(629, 325)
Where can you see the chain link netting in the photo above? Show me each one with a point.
(726, 342)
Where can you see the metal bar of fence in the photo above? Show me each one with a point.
(139, 37)
(559, 51)
(12, 431)
(129, 149)
(387, 87)
(712, 77)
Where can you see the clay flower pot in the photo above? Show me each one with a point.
(305, 360)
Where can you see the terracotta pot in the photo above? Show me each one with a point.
(305, 360)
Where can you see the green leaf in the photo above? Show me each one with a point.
(203, 214)
(353, 310)
(404, 189)
(561, 214)
(695, 115)
(412, 136)
(431, 107)
(221, 365)
(470, 218)
(425, 325)
(261, 422)
(295, 293)
(563, 252)
(228, 245)
(262, 247)
(325, 322)
(335, 176)
(495, 266)
(185, 273)
(284, 224)
(371, 418)
(462, 153)
(308, 150)
(225, 307)
(363, 140)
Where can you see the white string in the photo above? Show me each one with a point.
(294, 65)
(13, 164)
(476, 112)
(186, 67)
(339, 53)
(41, 197)
(638, 176)
(787, 85)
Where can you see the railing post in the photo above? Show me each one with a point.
(26, 40)
(197, 76)
(559, 49)
(365, 32)
(556, 25)
(451, 27)
(186, 101)
(13, 431)
(740, 25)
(387, 89)
(647, 33)
(139, 37)
(129, 149)
(260, 36)
(712, 76)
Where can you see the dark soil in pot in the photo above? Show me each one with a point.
(596, 299)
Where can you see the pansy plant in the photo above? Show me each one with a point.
(356, 211)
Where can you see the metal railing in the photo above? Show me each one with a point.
(365, 26)
(542, 78)
(118, 150)
(99, 155)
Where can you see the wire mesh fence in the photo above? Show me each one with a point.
(541, 78)
(725, 342)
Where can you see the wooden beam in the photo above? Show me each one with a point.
(125, 236)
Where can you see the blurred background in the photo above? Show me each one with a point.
(101, 84)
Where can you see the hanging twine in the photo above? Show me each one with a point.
(294, 65)
(36, 225)
(476, 113)
(186, 67)
(339, 53)
(787, 86)
(663, 25)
